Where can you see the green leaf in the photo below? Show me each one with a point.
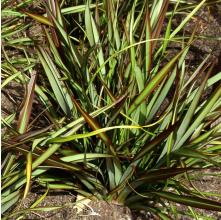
(162, 174)
(88, 25)
(190, 201)
(58, 87)
(80, 157)
(200, 116)
(77, 8)
(153, 83)
(110, 147)
(11, 200)
(189, 153)
(154, 143)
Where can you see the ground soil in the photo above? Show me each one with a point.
(13, 94)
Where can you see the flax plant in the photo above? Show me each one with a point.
(102, 64)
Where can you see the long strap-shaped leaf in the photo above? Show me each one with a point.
(154, 83)
(23, 125)
(95, 126)
(61, 94)
(10, 188)
(25, 113)
(152, 144)
(43, 157)
(31, 134)
(191, 110)
(140, 83)
(81, 120)
(80, 136)
(200, 116)
(148, 45)
(151, 176)
(190, 201)
(51, 161)
(112, 165)
(162, 174)
(40, 157)
(37, 17)
(28, 177)
(192, 153)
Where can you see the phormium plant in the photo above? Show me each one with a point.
(102, 85)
